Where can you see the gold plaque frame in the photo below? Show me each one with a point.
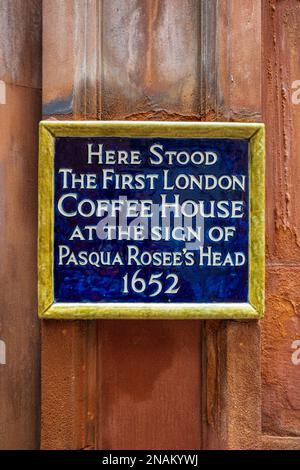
(254, 133)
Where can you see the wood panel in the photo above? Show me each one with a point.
(20, 106)
(20, 42)
(93, 399)
(150, 394)
(281, 378)
(231, 350)
(69, 358)
(281, 326)
(151, 67)
(280, 443)
(281, 70)
(174, 60)
(108, 76)
(150, 71)
(69, 406)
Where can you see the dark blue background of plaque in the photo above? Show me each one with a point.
(198, 284)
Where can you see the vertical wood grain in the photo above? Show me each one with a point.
(70, 382)
(121, 384)
(281, 70)
(151, 390)
(20, 43)
(20, 107)
(175, 60)
(150, 394)
(231, 350)
(151, 66)
(281, 326)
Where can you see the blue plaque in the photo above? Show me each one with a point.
(151, 220)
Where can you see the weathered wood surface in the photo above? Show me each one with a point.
(281, 326)
(20, 108)
(20, 42)
(121, 384)
(231, 350)
(180, 60)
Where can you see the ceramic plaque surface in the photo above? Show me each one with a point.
(151, 220)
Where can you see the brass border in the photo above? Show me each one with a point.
(253, 132)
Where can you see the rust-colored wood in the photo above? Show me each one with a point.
(282, 116)
(20, 107)
(281, 326)
(132, 384)
(112, 384)
(140, 385)
(281, 378)
(68, 386)
(150, 393)
(231, 350)
(150, 372)
(232, 395)
(70, 410)
(280, 443)
(151, 67)
(20, 42)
